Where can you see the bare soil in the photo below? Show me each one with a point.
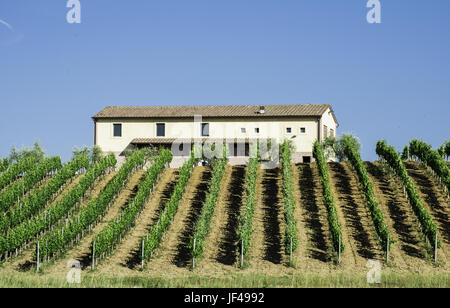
(82, 251)
(408, 250)
(315, 249)
(436, 203)
(173, 256)
(267, 249)
(354, 217)
(126, 256)
(222, 249)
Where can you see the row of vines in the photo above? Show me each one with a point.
(377, 216)
(39, 198)
(25, 232)
(203, 223)
(333, 220)
(432, 159)
(16, 170)
(17, 190)
(390, 155)
(246, 219)
(152, 240)
(4, 164)
(109, 237)
(71, 233)
(291, 239)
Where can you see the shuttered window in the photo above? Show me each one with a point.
(117, 130)
(160, 130)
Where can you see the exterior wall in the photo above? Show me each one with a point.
(218, 128)
(329, 122)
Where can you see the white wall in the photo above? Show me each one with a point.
(219, 128)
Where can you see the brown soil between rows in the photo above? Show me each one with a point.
(267, 250)
(408, 250)
(315, 248)
(354, 217)
(436, 203)
(126, 257)
(222, 250)
(82, 251)
(173, 256)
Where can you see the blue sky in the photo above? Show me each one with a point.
(385, 81)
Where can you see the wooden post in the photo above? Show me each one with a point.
(142, 257)
(339, 253)
(38, 265)
(93, 256)
(387, 250)
(193, 259)
(242, 253)
(291, 251)
(435, 247)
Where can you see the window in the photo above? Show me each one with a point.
(243, 130)
(257, 130)
(160, 130)
(331, 132)
(117, 130)
(289, 130)
(205, 129)
(306, 159)
(303, 130)
(325, 131)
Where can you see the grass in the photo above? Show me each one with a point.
(90, 280)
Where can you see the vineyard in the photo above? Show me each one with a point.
(145, 218)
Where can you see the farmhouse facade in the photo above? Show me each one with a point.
(117, 128)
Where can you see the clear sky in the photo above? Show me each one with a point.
(385, 81)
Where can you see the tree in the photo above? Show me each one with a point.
(77, 152)
(447, 149)
(335, 146)
(329, 147)
(37, 152)
(405, 153)
(96, 153)
(129, 150)
(150, 153)
(441, 151)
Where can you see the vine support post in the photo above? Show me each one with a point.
(387, 250)
(142, 257)
(193, 258)
(339, 252)
(291, 252)
(93, 256)
(242, 253)
(38, 265)
(435, 247)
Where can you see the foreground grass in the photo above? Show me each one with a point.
(390, 280)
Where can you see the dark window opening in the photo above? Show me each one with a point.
(243, 130)
(257, 130)
(289, 130)
(117, 130)
(161, 130)
(303, 130)
(205, 130)
(307, 159)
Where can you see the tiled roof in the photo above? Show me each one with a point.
(212, 111)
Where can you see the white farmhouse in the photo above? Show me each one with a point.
(117, 128)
